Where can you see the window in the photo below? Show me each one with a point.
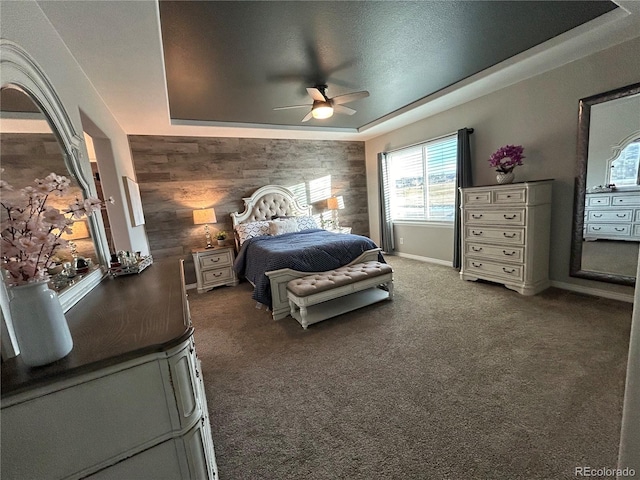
(623, 170)
(422, 181)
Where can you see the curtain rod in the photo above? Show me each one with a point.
(470, 130)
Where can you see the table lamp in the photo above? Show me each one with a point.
(205, 216)
(334, 204)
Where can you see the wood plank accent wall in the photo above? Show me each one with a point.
(179, 174)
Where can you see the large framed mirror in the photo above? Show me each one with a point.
(606, 223)
(37, 137)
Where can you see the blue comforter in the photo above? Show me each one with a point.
(306, 251)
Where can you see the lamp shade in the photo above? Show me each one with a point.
(203, 216)
(335, 203)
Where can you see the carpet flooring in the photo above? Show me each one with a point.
(450, 380)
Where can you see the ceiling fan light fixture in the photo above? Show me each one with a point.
(321, 110)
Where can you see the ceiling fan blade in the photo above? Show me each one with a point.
(316, 94)
(292, 106)
(343, 109)
(349, 97)
(307, 117)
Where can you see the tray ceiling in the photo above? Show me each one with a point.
(234, 62)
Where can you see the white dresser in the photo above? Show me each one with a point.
(214, 267)
(612, 216)
(128, 402)
(505, 235)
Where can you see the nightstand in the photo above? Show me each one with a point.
(339, 229)
(214, 267)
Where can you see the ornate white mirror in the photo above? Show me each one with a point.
(37, 138)
(606, 226)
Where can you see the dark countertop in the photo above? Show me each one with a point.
(121, 319)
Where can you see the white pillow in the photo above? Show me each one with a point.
(249, 230)
(306, 223)
(278, 227)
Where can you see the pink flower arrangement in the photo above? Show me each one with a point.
(507, 158)
(31, 232)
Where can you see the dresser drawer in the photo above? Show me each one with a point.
(609, 216)
(625, 200)
(510, 196)
(495, 235)
(215, 259)
(489, 269)
(498, 216)
(477, 198)
(481, 250)
(595, 201)
(218, 275)
(609, 230)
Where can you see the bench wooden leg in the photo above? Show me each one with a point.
(303, 317)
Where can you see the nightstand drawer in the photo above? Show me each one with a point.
(215, 259)
(218, 275)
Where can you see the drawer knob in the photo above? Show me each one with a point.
(214, 260)
(619, 229)
(621, 215)
(476, 233)
(217, 274)
(509, 217)
(508, 270)
(597, 228)
(508, 196)
(597, 215)
(477, 265)
(509, 254)
(476, 216)
(476, 249)
(512, 235)
(477, 198)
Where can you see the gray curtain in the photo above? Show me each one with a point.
(386, 225)
(463, 179)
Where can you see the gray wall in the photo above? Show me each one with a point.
(179, 174)
(541, 114)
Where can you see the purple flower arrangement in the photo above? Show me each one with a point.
(507, 158)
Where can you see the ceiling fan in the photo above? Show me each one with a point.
(323, 106)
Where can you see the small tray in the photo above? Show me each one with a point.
(131, 269)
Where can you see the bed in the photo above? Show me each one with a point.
(270, 255)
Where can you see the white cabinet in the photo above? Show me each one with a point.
(133, 409)
(214, 267)
(612, 216)
(505, 230)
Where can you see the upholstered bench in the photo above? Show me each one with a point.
(323, 295)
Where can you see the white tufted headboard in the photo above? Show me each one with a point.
(267, 202)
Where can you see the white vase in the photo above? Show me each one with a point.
(503, 178)
(41, 328)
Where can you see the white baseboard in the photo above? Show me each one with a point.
(191, 286)
(593, 291)
(424, 259)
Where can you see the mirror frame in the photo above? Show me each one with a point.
(18, 69)
(580, 190)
